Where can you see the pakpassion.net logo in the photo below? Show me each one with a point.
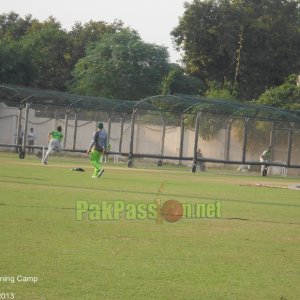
(170, 211)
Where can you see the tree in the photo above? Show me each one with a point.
(285, 96)
(49, 46)
(13, 27)
(15, 63)
(254, 44)
(176, 82)
(121, 66)
(81, 36)
(42, 54)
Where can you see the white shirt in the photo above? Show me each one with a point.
(31, 136)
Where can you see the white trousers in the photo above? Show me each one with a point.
(53, 145)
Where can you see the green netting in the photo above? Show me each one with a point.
(192, 104)
(176, 104)
(18, 95)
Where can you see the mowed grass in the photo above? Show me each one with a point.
(251, 252)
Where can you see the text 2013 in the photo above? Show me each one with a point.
(7, 295)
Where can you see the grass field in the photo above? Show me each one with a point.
(250, 252)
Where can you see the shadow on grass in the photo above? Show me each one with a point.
(190, 219)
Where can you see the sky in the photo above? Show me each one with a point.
(153, 19)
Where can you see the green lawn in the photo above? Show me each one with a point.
(251, 252)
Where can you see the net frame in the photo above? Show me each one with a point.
(177, 105)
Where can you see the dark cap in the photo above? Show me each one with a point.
(100, 125)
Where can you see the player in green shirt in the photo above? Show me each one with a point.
(97, 149)
(54, 139)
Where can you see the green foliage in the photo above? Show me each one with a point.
(210, 125)
(81, 36)
(121, 66)
(50, 51)
(34, 53)
(43, 54)
(254, 44)
(13, 27)
(285, 96)
(246, 46)
(258, 133)
(177, 82)
(220, 91)
(15, 63)
(167, 81)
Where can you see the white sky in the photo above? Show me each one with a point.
(153, 19)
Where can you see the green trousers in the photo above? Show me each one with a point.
(95, 158)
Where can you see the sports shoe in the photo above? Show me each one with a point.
(100, 172)
(94, 176)
(44, 163)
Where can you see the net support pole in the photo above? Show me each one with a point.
(130, 154)
(228, 140)
(109, 127)
(121, 133)
(18, 127)
(25, 126)
(162, 148)
(75, 129)
(290, 142)
(272, 132)
(197, 123)
(163, 138)
(66, 128)
(181, 139)
(246, 120)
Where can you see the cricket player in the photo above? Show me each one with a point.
(54, 139)
(97, 150)
(265, 157)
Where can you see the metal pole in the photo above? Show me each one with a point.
(272, 132)
(163, 138)
(75, 128)
(160, 161)
(26, 125)
(66, 128)
(18, 127)
(181, 138)
(228, 140)
(130, 154)
(121, 133)
(109, 127)
(246, 120)
(290, 142)
(197, 123)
